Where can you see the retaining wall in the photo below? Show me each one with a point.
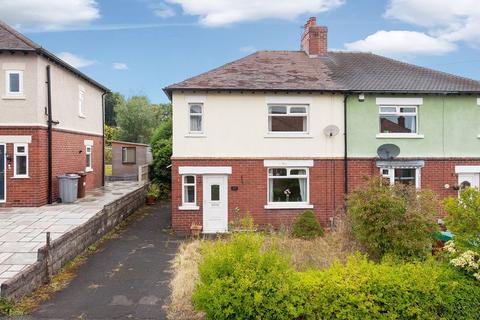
(71, 244)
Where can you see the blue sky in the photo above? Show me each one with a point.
(155, 43)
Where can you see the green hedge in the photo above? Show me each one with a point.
(241, 280)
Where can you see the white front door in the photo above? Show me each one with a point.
(469, 180)
(215, 204)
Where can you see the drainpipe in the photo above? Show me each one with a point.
(49, 137)
(103, 137)
(345, 155)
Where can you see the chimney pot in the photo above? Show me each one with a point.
(314, 38)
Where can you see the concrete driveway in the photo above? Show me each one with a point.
(128, 279)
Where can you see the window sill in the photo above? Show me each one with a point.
(399, 136)
(14, 97)
(195, 135)
(20, 177)
(478, 136)
(186, 208)
(82, 116)
(290, 205)
(289, 135)
(88, 170)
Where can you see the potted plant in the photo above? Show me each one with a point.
(152, 193)
(195, 230)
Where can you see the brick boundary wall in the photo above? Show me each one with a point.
(71, 244)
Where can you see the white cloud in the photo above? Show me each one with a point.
(120, 66)
(402, 44)
(48, 15)
(452, 20)
(224, 12)
(74, 60)
(248, 49)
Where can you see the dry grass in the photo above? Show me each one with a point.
(185, 266)
(319, 254)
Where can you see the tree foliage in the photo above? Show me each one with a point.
(395, 220)
(112, 102)
(135, 120)
(307, 226)
(161, 144)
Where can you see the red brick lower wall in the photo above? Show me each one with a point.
(67, 157)
(250, 176)
(326, 187)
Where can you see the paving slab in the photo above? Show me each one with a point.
(127, 279)
(23, 230)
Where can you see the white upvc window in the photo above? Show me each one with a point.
(81, 102)
(405, 175)
(288, 187)
(88, 158)
(189, 192)
(129, 155)
(195, 118)
(20, 160)
(285, 119)
(14, 82)
(398, 120)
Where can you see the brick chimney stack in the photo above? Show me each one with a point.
(314, 38)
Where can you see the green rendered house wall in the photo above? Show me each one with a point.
(450, 126)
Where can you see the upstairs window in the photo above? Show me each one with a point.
(81, 102)
(398, 119)
(88, 158)
(14, 82)
(129, 155)
(287, 119)
(195, 118)
(288, 185)
(20, 160)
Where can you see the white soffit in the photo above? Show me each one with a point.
(205, 170)
(467, 169)
(399, 101)
(15, 139)
(288, 163)
(288, 100)
(195, 99)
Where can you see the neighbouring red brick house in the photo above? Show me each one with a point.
(51, 122)
(280, 132)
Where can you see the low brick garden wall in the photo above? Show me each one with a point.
(71, 244)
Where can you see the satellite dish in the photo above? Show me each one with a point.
(388, 151)
(331, 130)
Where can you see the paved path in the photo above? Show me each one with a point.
(22, 230)
(128, 279)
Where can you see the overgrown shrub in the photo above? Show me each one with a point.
(307, 226)
(361, 289)
(239, 280)
(396, 220)
(463, 219)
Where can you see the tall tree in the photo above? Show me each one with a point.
(136, 120)
(112, 102)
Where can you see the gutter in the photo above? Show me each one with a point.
(49, 137)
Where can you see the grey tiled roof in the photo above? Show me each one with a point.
(337, 71)
(12, 40)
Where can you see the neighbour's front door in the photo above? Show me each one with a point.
(2, 172)
(215, 204)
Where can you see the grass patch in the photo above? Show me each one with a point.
(108, 170)
(66, 274)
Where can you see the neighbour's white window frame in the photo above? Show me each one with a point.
(397, 112)
(125, 155)
(20, 154)
(290, 204)
(88, 155)
(389, 173)
(189, 205)
(81, 102)
(288, 114)
(201, 115)
(7, 83)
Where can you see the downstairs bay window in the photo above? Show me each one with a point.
(288, 188)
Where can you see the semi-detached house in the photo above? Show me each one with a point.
(279, 132)
(51, 122)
